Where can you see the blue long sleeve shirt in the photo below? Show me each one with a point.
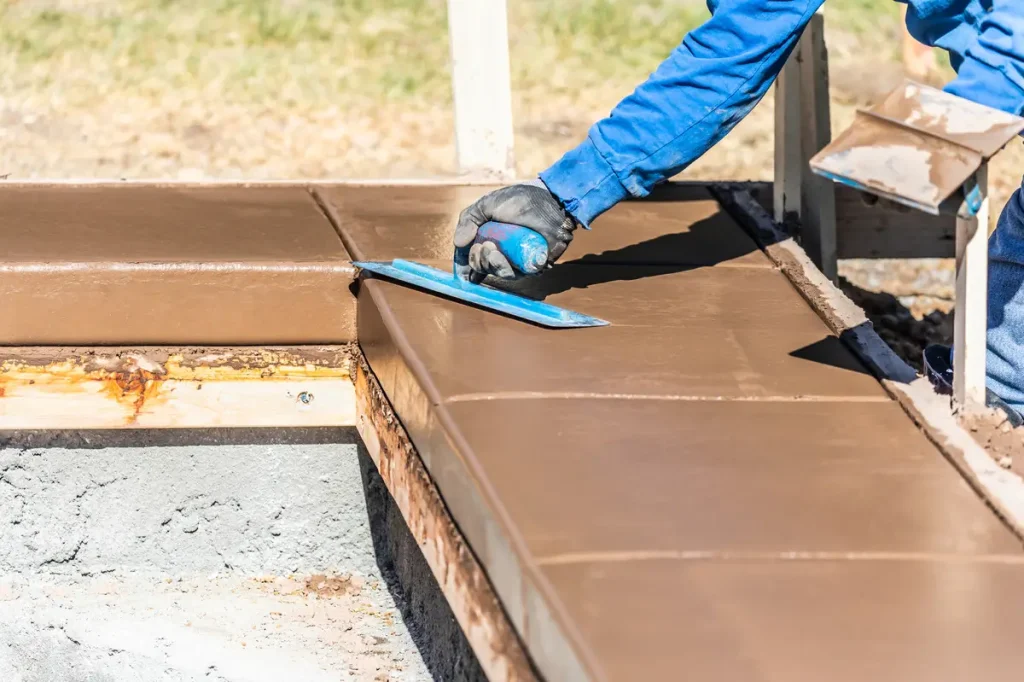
(724, 67)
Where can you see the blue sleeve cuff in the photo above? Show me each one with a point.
(585, 183)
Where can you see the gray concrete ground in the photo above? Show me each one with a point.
(130, 627)
(171, 556)
(242, 506)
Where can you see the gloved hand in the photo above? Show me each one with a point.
(527, 204)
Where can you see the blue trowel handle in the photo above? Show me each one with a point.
(525, 249)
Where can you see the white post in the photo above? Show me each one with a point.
(789, 161)
(482, 87)
(971, 317)
(818, 194)
(802, 129)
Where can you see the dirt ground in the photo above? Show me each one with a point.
(1003, 442)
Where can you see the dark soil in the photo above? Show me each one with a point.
(898, 327)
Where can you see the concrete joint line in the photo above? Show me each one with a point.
(567, 395)
(794, 555)
(1002, 490)
(458, 181)
(125, 266)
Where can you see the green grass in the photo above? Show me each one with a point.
(864, 16)
(576, 44)
(383, 48)
(320, 50)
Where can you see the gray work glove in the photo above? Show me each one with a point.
(528, 204)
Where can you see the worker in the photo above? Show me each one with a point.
(708, 84)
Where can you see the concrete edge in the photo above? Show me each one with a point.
(462, 580)
(1001, 489)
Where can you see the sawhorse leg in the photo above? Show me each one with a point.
(802, 129)
(971, 317)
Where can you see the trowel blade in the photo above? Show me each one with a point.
(481, 295)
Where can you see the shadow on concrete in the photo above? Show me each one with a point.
(430, 620)
(567, 276)
(637, 261)
(142, 438)
(830, 351)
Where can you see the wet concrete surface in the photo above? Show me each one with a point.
(721, 476)
(419, 222)
(907, 618)
(690, 491)
(728, 332)
(154, 265)
(378, 223)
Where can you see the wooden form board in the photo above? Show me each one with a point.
(59, 388)
(462, 579)
(870, 227)
(818, 207)
(802, 127)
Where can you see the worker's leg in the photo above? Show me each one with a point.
(1005, 361)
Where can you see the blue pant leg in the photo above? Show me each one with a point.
(1005, 358)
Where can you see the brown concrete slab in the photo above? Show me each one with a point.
(902, 620)
(648, 498)
(381, 223)
(678, 225)
(155, 265)
(675, 225)
(697, 332)
(725, 476)
(165, 224)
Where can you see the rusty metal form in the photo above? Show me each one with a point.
(457, 571)
(917, 147)
(69, 388)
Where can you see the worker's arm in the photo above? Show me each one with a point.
(986, 50)
(708, 84)
(697, 95)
